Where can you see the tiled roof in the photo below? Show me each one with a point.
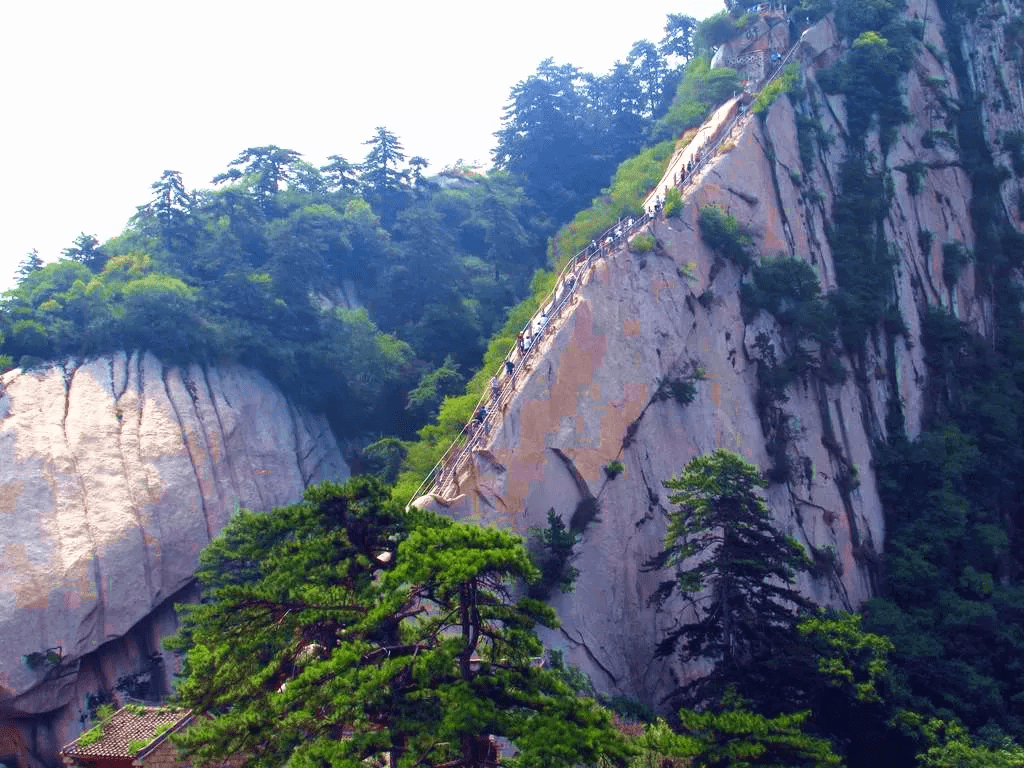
(132, 723)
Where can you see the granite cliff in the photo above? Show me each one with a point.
(589, 396)
(115, 472)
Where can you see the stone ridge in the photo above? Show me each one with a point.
(115, 473)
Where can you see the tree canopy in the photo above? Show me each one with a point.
(342, 629)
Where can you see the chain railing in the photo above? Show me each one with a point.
(446, 471)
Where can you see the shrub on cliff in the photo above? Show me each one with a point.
(673, 202)
(723, 235)
(700, 91)
(642, 244)
(789, 82)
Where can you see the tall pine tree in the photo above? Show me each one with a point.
(735, 572)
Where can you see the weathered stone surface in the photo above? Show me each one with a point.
(587, 401)
(114, 474)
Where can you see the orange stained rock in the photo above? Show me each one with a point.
(572, 380)
(9, 493)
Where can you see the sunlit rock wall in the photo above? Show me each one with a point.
(638, 319)
(114, 474)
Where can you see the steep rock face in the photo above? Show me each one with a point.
(993, 49)
(114, 474)
(589, 397)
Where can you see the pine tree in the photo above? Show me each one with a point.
(32, 262)
(86, 250)
(735, 572)
(380, 169)
(265, 170)
(342, 630)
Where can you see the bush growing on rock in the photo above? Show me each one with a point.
(642, 244)
(673, 202)
(723, 235)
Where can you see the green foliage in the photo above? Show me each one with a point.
(736, 736)
(951, 602)
(955, 256)
(253, 271)
(642, 244)
(136, 745)
(673, 202)
(915, 176)
(456, 411)
(807, 12)
(90, 737)
(734, 569)
(788, 289)
(862, 258)
(551, 550)
(102, 716)
(434, 386)
(717, 29)
(682, 389)
(382, 459)
(951, 746)
(32, 262)
(870, 73)
(722, 233)
(632, 182)
(788, 82)
(848, 657)
(564, 131)
(924, 240)
(731, 735)
(701, 90)
(342, 615)
(808, 130)
(1013, 142)
(613, 469)
(40, 659)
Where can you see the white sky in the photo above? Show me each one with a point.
(101, 96)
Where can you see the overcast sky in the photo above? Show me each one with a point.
(101, 96)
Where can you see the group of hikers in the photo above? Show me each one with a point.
(479, 427)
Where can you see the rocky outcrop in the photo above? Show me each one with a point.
(114, 474)
(638, 321)
(993, 49)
